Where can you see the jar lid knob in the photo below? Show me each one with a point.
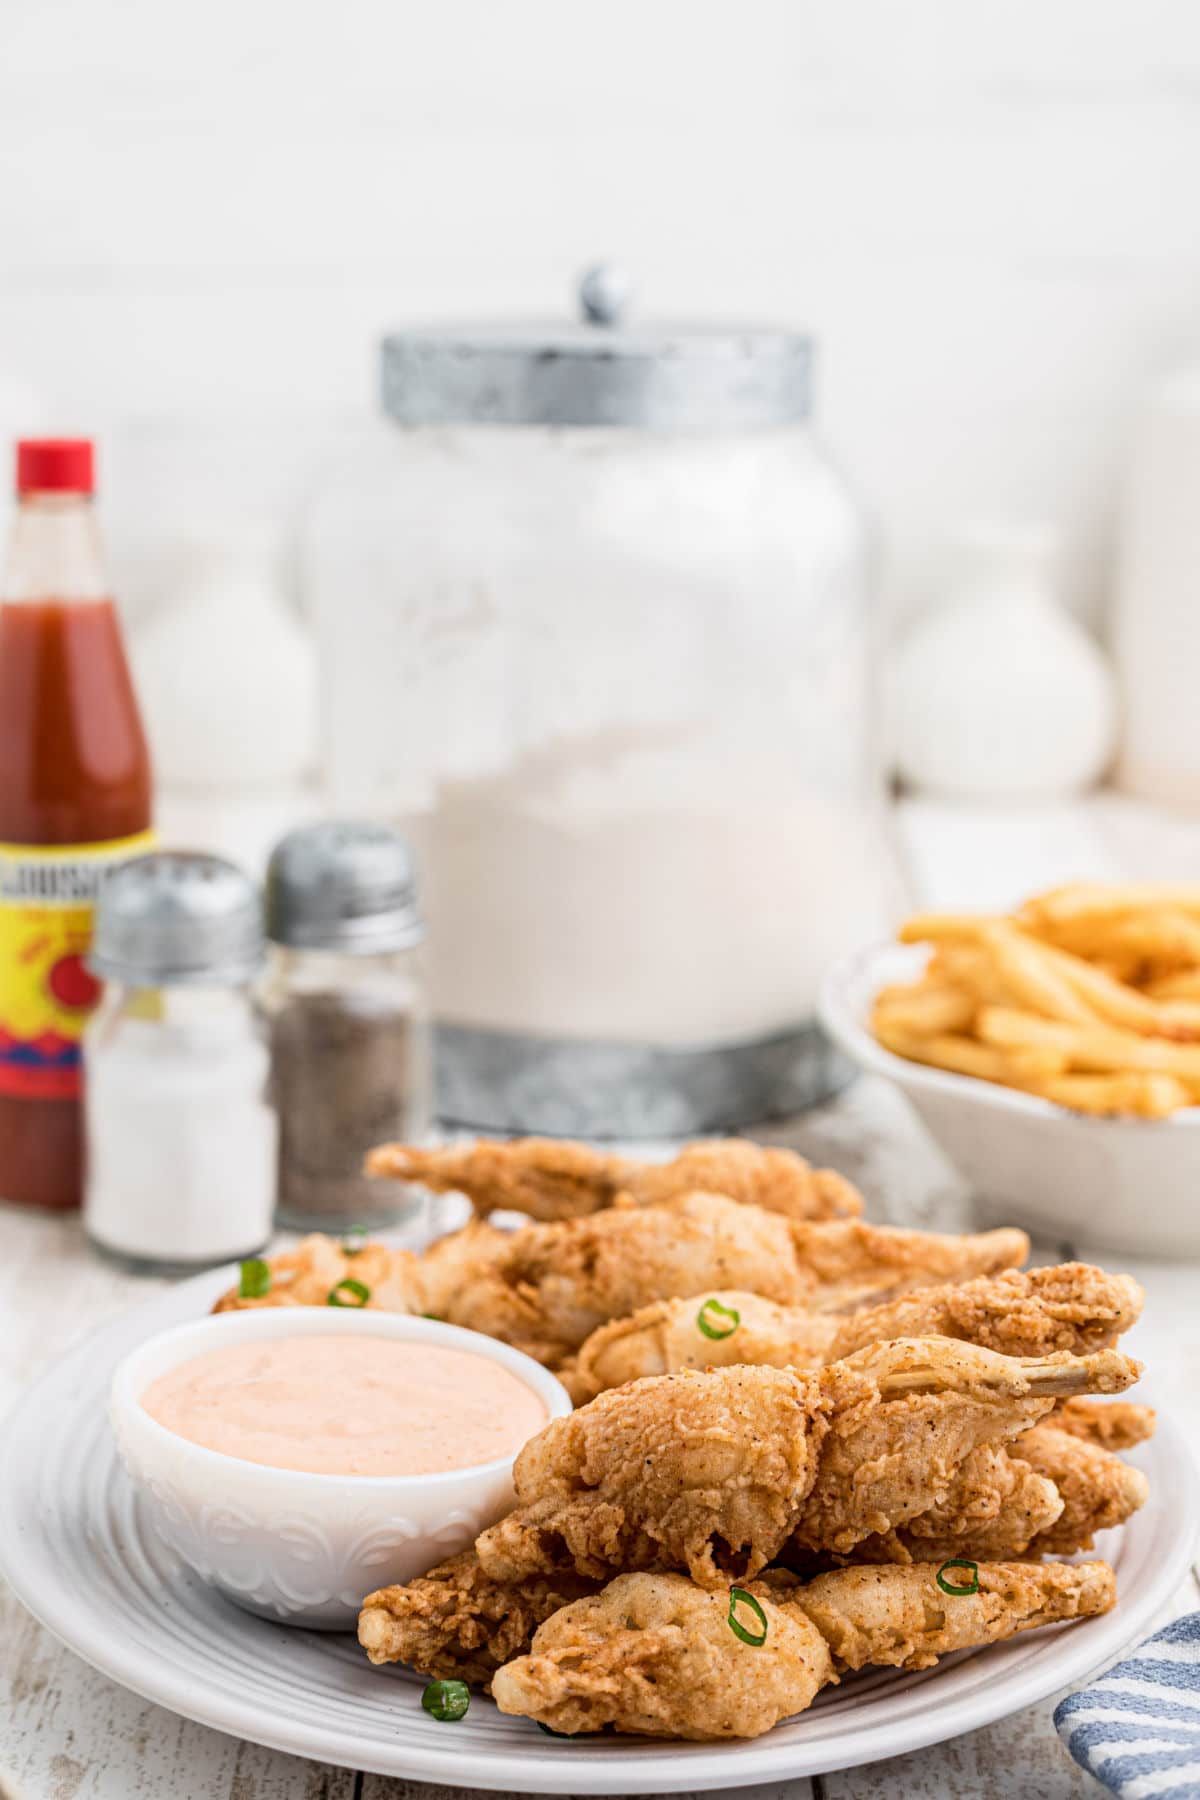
(604, 294)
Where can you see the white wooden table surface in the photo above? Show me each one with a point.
(67, 1733)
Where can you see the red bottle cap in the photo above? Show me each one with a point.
(55, 465)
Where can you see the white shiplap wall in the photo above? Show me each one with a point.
(985, 208)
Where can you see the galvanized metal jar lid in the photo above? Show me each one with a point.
(602, 371)
(178, 918)
(343, 885)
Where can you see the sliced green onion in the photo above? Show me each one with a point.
(950, 1587)
(739, 1595)
(359, 1294)
(447, 1700)
(706, 1319)
(355, 1241)
(256, 1279)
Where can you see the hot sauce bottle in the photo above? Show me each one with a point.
(75, 802)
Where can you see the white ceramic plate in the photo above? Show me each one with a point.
(1112, 1184)
(78, 1551)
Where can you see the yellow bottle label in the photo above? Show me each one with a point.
(47, 901)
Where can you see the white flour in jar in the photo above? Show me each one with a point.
(616, 688)
(597, 906)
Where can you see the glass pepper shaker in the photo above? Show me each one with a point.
(346, 1007)
(180, 1134)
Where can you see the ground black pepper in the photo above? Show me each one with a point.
(345, 1001)
(344, 1069)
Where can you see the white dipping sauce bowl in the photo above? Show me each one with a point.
(301, 1548)
(1119, 1184)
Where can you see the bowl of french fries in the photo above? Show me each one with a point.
(1054, 1052)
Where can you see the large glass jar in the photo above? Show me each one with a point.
(594, 627)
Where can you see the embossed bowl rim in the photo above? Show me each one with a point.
(167, 1349)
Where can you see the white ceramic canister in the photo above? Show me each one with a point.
(228, 679)
(181, 1138)
(998, 693)
(1156, 622)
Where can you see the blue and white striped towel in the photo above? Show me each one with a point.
(1136, 1728)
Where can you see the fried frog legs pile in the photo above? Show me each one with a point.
(802, 1444)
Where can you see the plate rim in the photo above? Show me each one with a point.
(554, 1768)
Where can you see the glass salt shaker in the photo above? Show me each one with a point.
(345, 1001)
(180, 1134)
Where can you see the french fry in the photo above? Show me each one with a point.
(1121, 1005)
(1153, 944)
(941, 928)
(970, 967)
(965, 1056)
(1100, 1049)
(1110, 999)
(1106, 900)
(1025, 966)
(1145, 1096)
(1167, 935)
(1124, 967)
(1180, 1021)
(929, 1006)
(1011, 1027)
(1184, 984)
(1160, 937)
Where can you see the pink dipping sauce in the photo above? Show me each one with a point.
(348, 1405)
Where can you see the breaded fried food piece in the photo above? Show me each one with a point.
(1071, 1307)
(552, 1178)
(396, 1280)
(306, 1275)
(994, 1508)
(457, 1623)
(940, 1400)
(901, 1618)
(1098, 1490)
(554, 1284)
(560, 1282)
(689, 1471)
(1032, 1312)
(1048, 1494)
(714, 1472)
(845, 1265)
(545, 1288)
(657, 1656)
(1113, 1424)
(668, 1335)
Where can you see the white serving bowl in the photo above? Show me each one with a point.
(293, 1546)
(1114, 1184)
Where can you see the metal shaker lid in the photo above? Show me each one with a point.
(601, 371)
(178, 918)
(343, 885)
